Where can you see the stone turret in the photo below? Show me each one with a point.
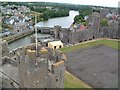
(41, 68)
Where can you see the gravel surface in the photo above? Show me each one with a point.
(97, 66)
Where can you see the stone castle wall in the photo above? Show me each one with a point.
(94, 31)
(46, 70)
(108, 32)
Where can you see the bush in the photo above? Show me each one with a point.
(104, 22)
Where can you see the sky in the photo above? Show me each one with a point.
(108, 3)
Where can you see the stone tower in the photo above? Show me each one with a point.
(103, 13)
(57, 32)
(41, 68)
(94, 23)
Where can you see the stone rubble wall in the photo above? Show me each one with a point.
(24, 58)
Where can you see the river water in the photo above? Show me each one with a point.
(61, 21)
(65, 22)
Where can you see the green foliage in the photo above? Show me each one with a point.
(38, 18)
(104, 22)
(96, 10)
(59, 5)
(4, 25)
(6, 14)
(40, 10)
(52, 13)
(83, 11)
(45, 15)
(85, 23)
(78, 19)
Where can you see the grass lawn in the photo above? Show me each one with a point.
(70, 80)
(110, 43)
(73, 82)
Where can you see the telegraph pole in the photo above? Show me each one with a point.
(36, 33)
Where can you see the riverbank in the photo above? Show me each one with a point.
(17, 36)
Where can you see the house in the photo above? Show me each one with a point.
(8, 21)
(86, 17)
(83, 27)
(55, 44)
(20, 26)
(28, 18)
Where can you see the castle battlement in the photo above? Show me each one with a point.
(39, 67)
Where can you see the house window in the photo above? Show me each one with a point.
(60, 46)
(54, 47)
(46, 44)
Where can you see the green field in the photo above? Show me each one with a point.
(110, 43)
(70, 80)
(73, 82)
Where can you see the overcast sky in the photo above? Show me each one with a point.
(108, 3)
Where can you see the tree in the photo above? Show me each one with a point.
(77, 18)
(104, 22)
(45, 15)
(83, 11)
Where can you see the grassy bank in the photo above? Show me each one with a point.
(73, 82)
(109, 43)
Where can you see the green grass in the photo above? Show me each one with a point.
(73, 82)
(109, 43)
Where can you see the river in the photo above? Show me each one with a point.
(61, 21)
(65, 22)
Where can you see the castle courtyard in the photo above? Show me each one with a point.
(96, 65)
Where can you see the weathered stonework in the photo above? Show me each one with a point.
(94, 31)
(41, 68)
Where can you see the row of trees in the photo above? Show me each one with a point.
(53, 13)
(47, 13)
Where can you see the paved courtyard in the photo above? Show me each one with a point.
(97, 66)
